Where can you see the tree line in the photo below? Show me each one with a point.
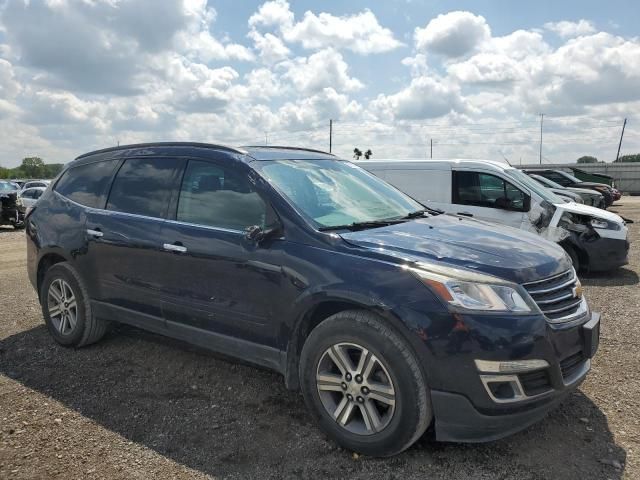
(635, 157)
(32, 167)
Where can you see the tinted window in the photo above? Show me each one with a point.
(27, 194)
(558, 178)
(87, 184)
(484, 190)
(217, 197)
(143, 186)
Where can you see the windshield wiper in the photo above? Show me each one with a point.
(416, 214)
(362, 225)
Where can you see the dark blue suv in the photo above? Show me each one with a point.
(389, 317)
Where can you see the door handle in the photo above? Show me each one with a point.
(172, 247)
(465, 214)
(94, 233)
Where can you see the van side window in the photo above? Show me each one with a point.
(87, 184)
(217, 197)
(143, 186)
(485, 190)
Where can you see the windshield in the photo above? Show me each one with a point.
(569, 176)
(7, 187)
(529, 182)
(335, 192)
(547, 183)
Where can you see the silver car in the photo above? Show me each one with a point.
(28, 197)
(584, 195)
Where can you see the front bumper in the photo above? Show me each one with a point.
(605, 253)
(468, 413)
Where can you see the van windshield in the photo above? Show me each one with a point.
(534, 186)
(336, 192)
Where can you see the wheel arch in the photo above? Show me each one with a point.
(45, 262)
(322, 309)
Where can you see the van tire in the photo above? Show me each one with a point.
(87, 328)
(412, 413)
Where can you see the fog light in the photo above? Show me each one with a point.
(512, 366)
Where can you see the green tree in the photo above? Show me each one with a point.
(587, 159)
(32, 167)
(357, 153)
(629, 158)
(368, 154)
(4, 172)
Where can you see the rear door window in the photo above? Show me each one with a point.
(218, 196)
(143, 186)
(87, 184)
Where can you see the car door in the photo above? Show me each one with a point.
(124, 239)
(486, 196)
(215, 279)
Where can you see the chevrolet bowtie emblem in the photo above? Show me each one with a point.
(577, 291)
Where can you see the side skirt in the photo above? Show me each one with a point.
(261, 355)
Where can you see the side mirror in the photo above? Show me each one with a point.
(527, 203)
(256, 234)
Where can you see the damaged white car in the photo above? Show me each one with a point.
(492, 191)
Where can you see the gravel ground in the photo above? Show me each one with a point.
(138, 405)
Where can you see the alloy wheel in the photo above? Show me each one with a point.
(62, 305)
(355, 388)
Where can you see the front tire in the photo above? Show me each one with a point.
(363, 384)
(66, 308)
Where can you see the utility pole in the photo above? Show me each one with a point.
(621, 135)
(266, 138)
(541, 119)
(330, 134)
(431, 154)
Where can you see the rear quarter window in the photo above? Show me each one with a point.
(87, 184)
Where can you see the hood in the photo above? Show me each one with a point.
(584, 191)
(504, 252)
(566, 194)
(591, 184)
(590, 211)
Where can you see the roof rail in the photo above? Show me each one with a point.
(288, 148)
(163, 144)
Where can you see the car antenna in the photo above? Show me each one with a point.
(506, 159)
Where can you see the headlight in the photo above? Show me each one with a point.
(480, 293)
(604, 224)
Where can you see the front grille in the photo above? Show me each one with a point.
(555, 295)
(571, 364)
(535, 383)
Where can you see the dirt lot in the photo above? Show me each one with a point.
(139, 405)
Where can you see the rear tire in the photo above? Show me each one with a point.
(378, 405)
(66, 308)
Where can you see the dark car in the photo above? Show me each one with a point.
(567, 180)
(388, 317)
(10, 214)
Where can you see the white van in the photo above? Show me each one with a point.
(492, 191)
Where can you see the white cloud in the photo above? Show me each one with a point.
(323, 69)
(568, 29)
(453, 34)
(360, 32)
(271, 49)
(273, 13)
(425, 97)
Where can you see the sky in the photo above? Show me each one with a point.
(404, 78)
